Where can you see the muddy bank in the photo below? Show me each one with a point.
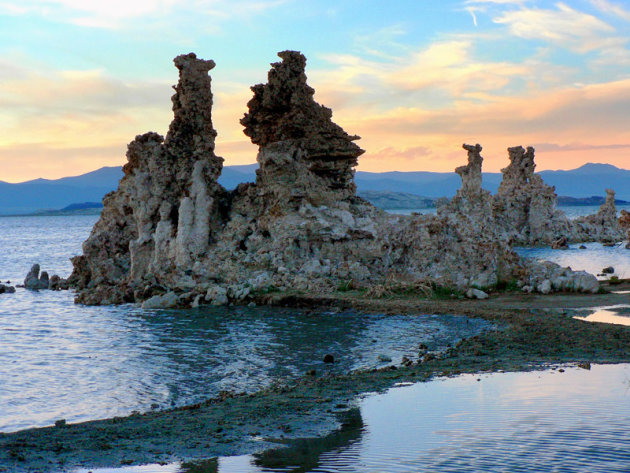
(532, 333)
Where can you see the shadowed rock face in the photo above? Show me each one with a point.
(303, 154)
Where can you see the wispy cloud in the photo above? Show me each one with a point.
(113, 14)
(611, 8)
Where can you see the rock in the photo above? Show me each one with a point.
(608, 270)
(299, 143)
(6, 289)
(473, 293)
(544, 287)
(384, 359)
(217, 296)
(582, 247)
(585, 282)
(197, 301)
(33, 280)
(170, 228)
(328, 358)
(561, 243)
(166, 301)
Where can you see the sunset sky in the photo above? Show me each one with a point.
(414, 78)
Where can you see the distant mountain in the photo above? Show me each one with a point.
(42, 194)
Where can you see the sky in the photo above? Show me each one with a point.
(79, 79)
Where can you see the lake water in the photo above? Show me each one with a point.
(60, 360)
(570, 211)
(551, 421)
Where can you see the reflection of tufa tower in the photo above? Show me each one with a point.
(302, 153)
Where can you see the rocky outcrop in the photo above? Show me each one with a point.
(167, 208)
(602, 226)
(524, 208)
(304, 156)
(34, 280)
(171, 236)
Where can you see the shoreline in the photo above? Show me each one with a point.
(532, 333)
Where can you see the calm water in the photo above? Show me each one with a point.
(570, 211)
(572, 421)
(60, 360)
(593, 259)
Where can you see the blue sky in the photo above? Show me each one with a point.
(79, 79)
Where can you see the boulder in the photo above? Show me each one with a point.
(165, 301)
(33, 280)
(473, 293)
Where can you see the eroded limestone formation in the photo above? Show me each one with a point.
(524, 208)
(167, 207)
(303, 155)
(170, 235)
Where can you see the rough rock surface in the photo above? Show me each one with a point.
(303, 156)
(33, 279)
(170, 235)
(602, 226)
(524, 208)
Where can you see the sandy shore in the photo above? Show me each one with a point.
(533, 332)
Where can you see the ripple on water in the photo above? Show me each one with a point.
(59, 360)
(576, 421)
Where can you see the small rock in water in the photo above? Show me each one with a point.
(33, 281)
(582, 247)
(384, 358)
(60, 423)
(6, 289)
(561, 243)
(608, 270)
(585, 365)
(328, 358)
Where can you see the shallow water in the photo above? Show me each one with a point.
(615, 314)
(593, 259)
(571, 211)
(61, 360)
(569, 421)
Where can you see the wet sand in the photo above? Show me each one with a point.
(533, 332)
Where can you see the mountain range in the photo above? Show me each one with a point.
(42, 194)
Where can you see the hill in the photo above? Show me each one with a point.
(41, 194)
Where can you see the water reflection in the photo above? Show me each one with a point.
(616, 314)
(576, 420)
(305, 455)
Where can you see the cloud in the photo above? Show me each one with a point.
(114, 14)
(612, 9)
(564, 26)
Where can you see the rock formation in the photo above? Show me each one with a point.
(34, 280)
(524, 208)
(303, 155)
(602, 226)
(171, 236)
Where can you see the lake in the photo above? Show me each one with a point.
(59, 360)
